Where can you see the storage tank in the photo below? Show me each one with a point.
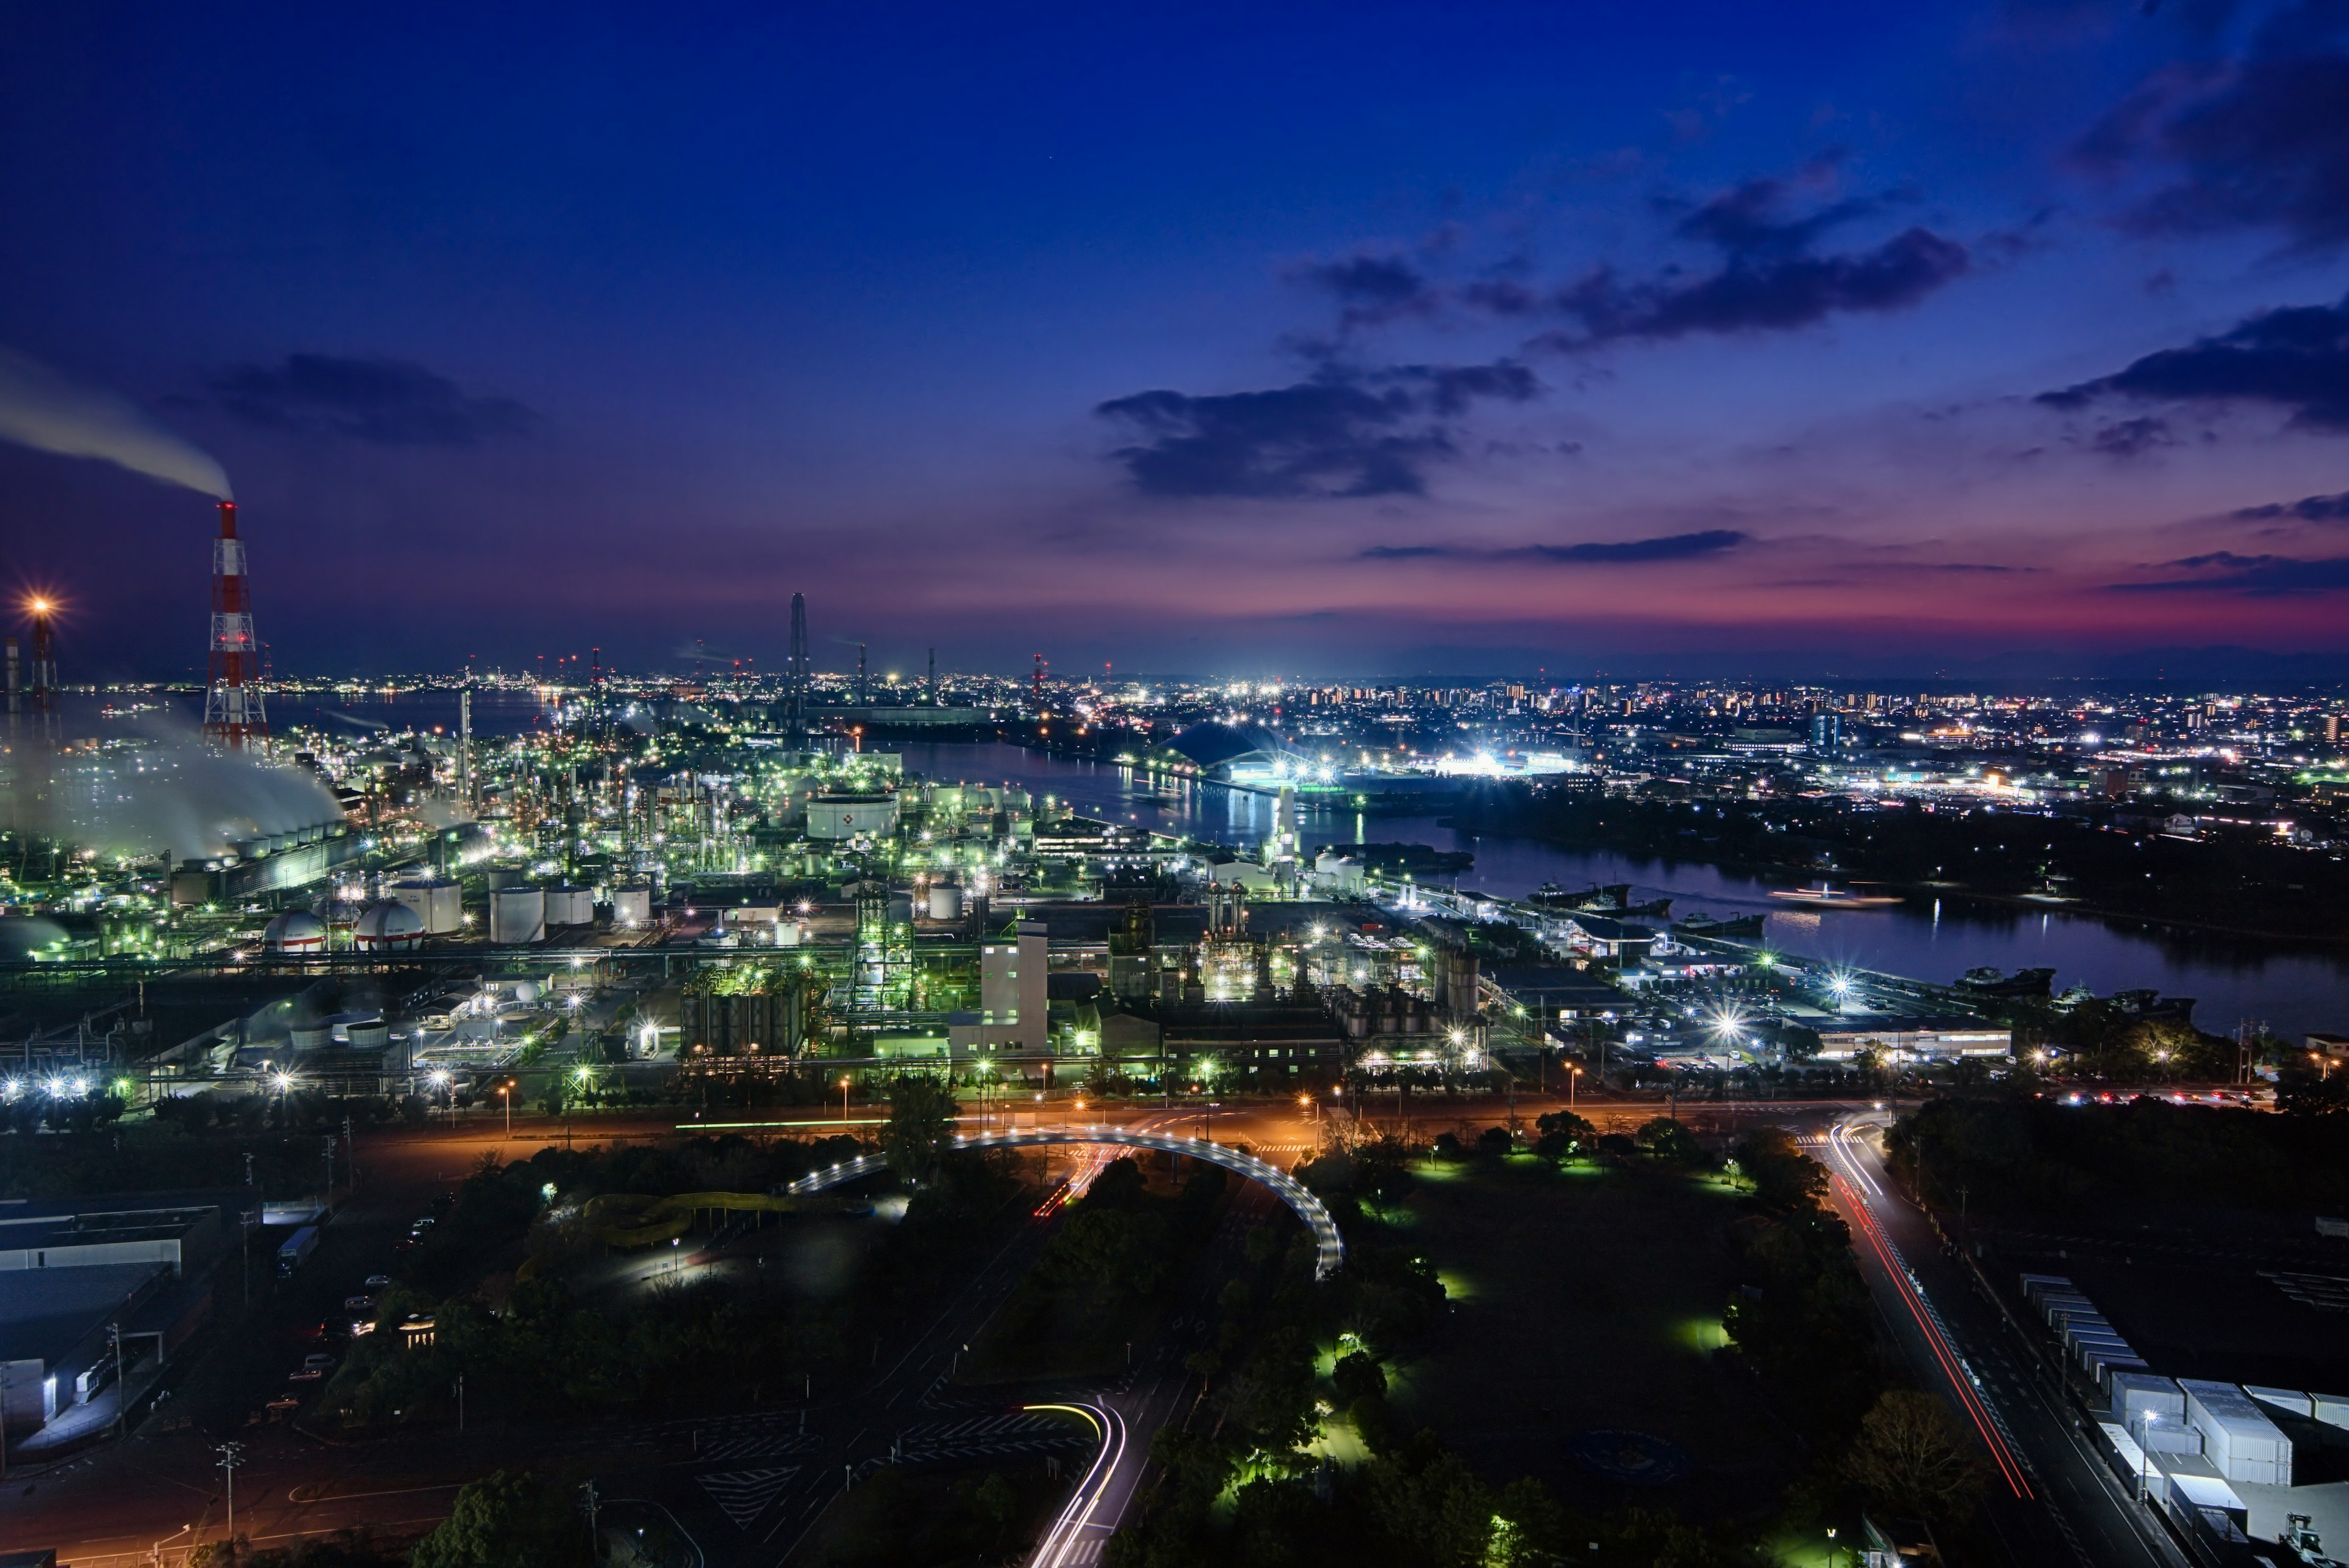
(308, 1038)
(437, 902)
(946, 901)
(632, 906)
(518, 914)
(387, 927)
(296, 931)
(503, 877)
(373, 1036)
(570, 906)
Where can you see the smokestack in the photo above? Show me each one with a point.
(795, 685)
(16, 680)
(233, 718)
(46, 722)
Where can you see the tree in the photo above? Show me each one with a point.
(1910, 1457)
(507, 1520)
(1668, 1141)
(1562, 1134)
(1356, 1375)
(1784, 1177)
(921, 1126)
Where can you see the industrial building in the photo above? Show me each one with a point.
(97, 1289)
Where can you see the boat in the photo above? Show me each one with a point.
(1612, 900)
(1702, 925)
(1992, 982)
(1835, 898)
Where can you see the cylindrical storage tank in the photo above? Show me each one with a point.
(570, 906)
(518, 914)
(501, 876)
(374, 1036)
(308, 1038)
(946, 901)
(438, 903)
(296, 931)
(790, 932)
(387, 927)
(901, 909)
(632, 906)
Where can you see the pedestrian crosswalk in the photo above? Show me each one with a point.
(985, 1437)
(743, 1495)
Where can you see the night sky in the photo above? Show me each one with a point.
(1246, 340)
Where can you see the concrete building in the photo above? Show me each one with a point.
(1013, 994)
(1913, 1038)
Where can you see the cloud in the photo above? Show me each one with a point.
(2295, 358)
(2251, 576)
(2258, 142)
(1751, 294)
(370, 399)
(1372, 290)
(1346, 433)
(1749, 220)
(2134, 437)
(1667, 547)
(2308, 508)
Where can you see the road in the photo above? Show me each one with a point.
(2053, 1501)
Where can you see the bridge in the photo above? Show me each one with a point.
(1329, 1248)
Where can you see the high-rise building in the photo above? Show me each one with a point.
(1826, 733)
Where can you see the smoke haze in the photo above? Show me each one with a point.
(41, 409)
(164, 791)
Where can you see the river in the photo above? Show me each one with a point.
(2291, 991)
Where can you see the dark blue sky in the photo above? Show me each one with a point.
(1243, 339)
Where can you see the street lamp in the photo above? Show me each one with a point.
(843, 1099)
(505, 1094)
(1572, 1073)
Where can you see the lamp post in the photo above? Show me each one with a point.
(1572, 1073)
(843, 1099)
(1830, 1556)
(505, 1094)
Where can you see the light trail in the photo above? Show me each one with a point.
(1855, 1204)
(1075, 1518)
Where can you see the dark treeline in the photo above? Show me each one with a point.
(2027, 1154)
(2247, 883)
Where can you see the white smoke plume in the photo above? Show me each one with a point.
(163, 791)
(41, 409)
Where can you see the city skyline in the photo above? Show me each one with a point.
(1407, 341)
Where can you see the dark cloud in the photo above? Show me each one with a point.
(1751, 221)
(2134, 437)
(1667, 547)
(1372, 290)
(2308, 508)
(1345, 433)
(2295, 358)
(2258, 142)
(386, 400)
(2251, 576)
(1763, 295)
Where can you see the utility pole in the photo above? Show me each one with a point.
(121, 1389)
(351, 1154)
(230, 1456)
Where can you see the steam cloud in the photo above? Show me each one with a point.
(167, 791)
(41, 409)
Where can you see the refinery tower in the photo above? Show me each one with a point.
(232, 711)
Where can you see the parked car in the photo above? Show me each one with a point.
(358, 1304)
(379, 1282)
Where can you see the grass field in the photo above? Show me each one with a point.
(1588, 1298)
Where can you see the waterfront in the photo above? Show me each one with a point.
(2291, 991)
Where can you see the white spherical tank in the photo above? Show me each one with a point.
(946, 901)
(295, 931)
(387, 927)
(526, 992)
(518, 914)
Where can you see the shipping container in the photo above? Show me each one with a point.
(2238, 1439)
(297, 1249)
